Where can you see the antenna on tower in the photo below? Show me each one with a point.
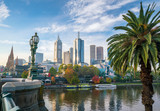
(58, 37)
(78, 35)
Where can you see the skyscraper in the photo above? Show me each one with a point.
(10, 62)
(71, 55)
(39, 57)
(78, 50)
(66, 57)
(99, 53)
(58, 51)
(92, 54)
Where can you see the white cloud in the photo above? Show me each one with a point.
(52, 28)
(4, 25)
(42, 29)
(4, 13)
(99, 26)
(92, 15)
(58, 28)
(46, 47)
(13, 42)
(135, 9)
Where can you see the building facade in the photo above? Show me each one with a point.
(39, 58)
(58, 51)
(66, 57)
(19, 61)
(78, 50)
(99, 53)
(71, 55)
(92, 54)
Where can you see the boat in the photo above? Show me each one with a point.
(106, 86)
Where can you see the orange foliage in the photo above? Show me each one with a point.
(53, 79)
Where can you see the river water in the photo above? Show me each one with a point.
(120, 99)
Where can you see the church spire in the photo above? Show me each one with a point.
(16, 61)
(10, 62)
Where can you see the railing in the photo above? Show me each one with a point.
(7, 103)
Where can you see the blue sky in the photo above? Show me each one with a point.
(95, 19)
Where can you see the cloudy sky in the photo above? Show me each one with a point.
(95, 19)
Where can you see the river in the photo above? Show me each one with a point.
(120, 99)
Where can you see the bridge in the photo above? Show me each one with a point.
(19, 94)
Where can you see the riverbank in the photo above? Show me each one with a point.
(132, 84)
(92, 85)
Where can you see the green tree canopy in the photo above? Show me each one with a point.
(53, 71)
(137, 46)
(76, 67)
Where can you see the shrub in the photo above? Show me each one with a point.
(109, 80)
(101, 80)
(53, 80)
(96, 79)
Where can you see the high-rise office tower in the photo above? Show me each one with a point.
(99, 53)
(78, 50)
(92, 54)
(71, 55)
(39, 57)
(66, 57)
(58, 51)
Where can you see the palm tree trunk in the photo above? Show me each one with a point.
(147, 92)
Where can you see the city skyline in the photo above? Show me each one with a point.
(94, 19)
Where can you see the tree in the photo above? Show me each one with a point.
(71, 76)
(137, 46)
(60, 68)
(69, 66)
(76, 67)
(108, 80)
(53, 80)
(95, 70)
(24, 74)
(53, 71)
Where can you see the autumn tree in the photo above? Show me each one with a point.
(71, 76)
(96, 79)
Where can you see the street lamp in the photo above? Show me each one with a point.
(33, 69)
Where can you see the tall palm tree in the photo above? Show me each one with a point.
(137, 46)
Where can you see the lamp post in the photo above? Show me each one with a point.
(33, 69)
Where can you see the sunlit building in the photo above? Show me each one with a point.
(66, 57)
(71, 55)
(99, 53)
(92, 54)
(58, 51)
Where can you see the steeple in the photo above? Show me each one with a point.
(16, 61)
(10, 62)
(11, 54)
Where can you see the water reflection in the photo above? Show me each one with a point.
(121, 99)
